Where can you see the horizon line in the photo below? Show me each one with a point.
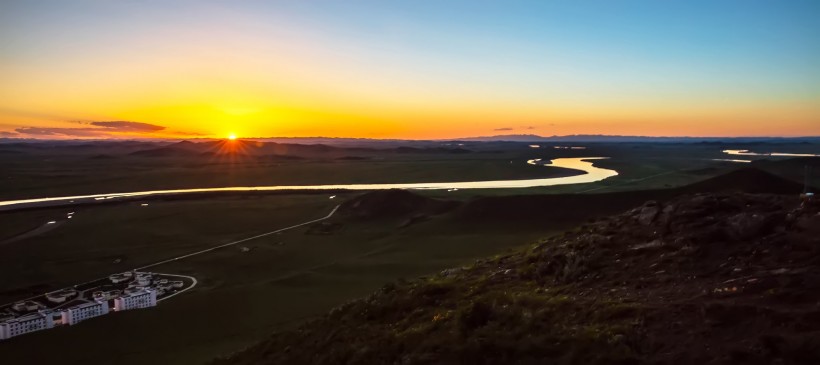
(500, 136)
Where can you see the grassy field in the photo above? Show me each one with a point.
(241, 296)
(74, 176)
(643, 166)
(640, 165)
(86, 246)
(283, 278)
(54, 172)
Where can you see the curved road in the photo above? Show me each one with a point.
(332, 212)
(193, 284)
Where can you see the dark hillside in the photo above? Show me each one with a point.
(797, 162)
(749, 180)
(167, 151)
(793, 168)
(705, 278)
(529, 209)
(393, 203)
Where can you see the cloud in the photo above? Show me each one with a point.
(63, 132)
(126, 126)
(111, 126)
(507, 129)
(95, 129)
(5, 134)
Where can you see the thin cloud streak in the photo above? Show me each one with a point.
(126, 126)
(99, 129)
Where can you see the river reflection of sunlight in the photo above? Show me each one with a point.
(782, 154)
(591, 174)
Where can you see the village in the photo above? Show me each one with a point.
(70, 306)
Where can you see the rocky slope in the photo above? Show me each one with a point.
(706, 278)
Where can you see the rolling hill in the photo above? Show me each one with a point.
(706, 273)
(718, 278)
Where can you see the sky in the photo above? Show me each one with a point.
(408, 69)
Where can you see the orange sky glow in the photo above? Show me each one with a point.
(265, 70)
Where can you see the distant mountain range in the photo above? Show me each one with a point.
(355, 142)
(611, 138)
(216, 147)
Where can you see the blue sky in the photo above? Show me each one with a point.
(655, 58)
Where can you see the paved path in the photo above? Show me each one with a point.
(193, 284)
(239, 241)
(204, 251)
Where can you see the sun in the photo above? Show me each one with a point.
(232, 136)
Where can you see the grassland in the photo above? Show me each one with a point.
(711, 278)
(86, 246)
(66, 171)
(284, 278)
(73, 175)
(241, 296)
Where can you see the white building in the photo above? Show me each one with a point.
(84, 311)
(143, 279)
(133, 289)
(106, 295)
(25, 324)
(121, 277)
(142, 299)
(61, 296)
(26, 306)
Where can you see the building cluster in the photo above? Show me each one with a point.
(141, 292)
(44, 319)
(140, 281)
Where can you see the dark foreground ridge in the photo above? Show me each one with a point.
(706, 278)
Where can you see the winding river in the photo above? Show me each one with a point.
(591, 174)
(779, 154)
